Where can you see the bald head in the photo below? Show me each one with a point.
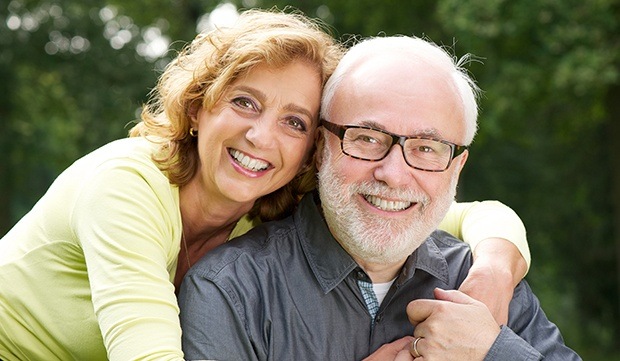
(389, 66)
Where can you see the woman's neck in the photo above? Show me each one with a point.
(208, 220)
(207, 215)
(190, 253)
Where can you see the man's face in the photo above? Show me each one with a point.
(381, 211)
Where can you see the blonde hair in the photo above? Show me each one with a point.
(208, 65)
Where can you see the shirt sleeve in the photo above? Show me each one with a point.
(476, 221)
(529, 335)
(509, 346)
(127, 220)
(212, 321)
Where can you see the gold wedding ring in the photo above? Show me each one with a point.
(414, 347)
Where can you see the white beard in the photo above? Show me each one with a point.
(379, 240)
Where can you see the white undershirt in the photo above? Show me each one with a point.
(381, 289)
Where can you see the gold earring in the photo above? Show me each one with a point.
(193, 132)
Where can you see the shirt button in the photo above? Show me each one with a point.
(361, 275)
(378, 318)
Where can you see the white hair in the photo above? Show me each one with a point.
(420, 49)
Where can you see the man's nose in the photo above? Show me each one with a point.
(393, 170)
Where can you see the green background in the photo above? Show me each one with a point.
(73, 77)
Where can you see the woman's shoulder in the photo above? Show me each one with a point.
(125, 163)
(136, 148)
(244, 224)
(136, 153)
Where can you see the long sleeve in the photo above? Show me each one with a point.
(87, 273)
(128, 223)
(476, 221)
(509, 346)
(212, 326)
(529, 335)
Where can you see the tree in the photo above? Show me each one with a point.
(543, 142)
(74, 74)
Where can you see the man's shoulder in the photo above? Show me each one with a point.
(445, 240)
(257, 249)
(445, 257)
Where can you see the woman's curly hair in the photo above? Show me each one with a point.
(203, 70)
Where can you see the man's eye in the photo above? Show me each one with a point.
(425, 149)
(367, 139)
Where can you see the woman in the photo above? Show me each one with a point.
(91, 271)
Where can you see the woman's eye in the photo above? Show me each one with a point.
(297, 123)
(244, 103)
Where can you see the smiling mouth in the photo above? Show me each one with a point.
(387, 205)
(248, 163)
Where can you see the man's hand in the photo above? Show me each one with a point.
(498, 267)
(394, 351)
(454, 326)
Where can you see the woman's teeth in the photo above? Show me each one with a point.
(247, 162)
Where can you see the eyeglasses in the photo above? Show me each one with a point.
(366, 143)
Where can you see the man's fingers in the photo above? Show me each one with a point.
(402, 344)
(403, 355)
(420, 310)
(392, 351)
(453, 296)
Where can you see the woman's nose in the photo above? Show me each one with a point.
(262, 134)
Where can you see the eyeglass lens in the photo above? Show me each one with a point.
(373, 144)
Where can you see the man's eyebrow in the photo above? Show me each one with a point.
(372, 124)
(428, 132)
(291, 107)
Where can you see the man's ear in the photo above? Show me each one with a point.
(461, 160)
(320, 144)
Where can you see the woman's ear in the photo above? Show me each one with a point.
(194, 108)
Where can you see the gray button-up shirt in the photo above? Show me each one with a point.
(287, 290)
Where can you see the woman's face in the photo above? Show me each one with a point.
(258, 135)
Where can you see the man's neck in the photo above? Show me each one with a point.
(381, 273)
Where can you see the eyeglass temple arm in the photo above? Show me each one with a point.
(334, 128)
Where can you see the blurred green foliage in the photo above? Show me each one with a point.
(74, 73)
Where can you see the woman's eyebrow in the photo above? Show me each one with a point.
(291, 107)
(254, 91)
(298, 109)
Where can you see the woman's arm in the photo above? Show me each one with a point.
(128, 223)
(497, 237)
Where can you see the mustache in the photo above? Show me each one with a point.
(381, 190)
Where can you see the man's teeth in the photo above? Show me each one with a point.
(247, 162)
(387, 205)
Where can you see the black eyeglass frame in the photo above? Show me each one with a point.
(339, 131)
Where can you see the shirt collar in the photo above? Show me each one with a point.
(429, 258)
(330, 263)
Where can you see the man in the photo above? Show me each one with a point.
(355, 268)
